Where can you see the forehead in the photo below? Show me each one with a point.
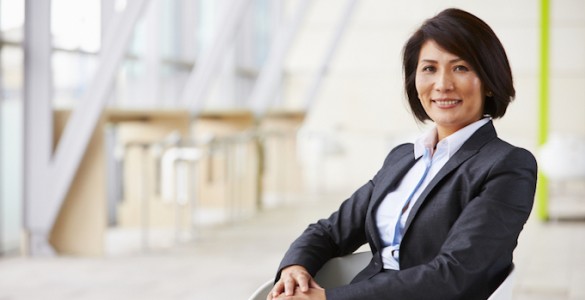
(430, 50)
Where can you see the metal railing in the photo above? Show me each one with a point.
(215, 180)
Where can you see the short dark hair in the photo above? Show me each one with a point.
(467, 36)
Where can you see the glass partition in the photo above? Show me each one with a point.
(11, 131)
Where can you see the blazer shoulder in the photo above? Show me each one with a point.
(486, 140)
(399, 152)
(402, 149)
(498, 144)
(511, 153)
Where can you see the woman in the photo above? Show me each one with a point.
(443, 215)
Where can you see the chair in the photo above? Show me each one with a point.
(504, 291)
(341, 270)
(336, 272)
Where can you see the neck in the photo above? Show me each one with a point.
(444, 132)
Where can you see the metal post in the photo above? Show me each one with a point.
(187, 39)
(38, 125)
(1, 156)
(144, 196)
(179, 184)
(262, 95)
(151, 90)
(108, 15)
(542, 187)
(112, 185)
(193, 193)
(228, 182)
(333, 46)
(1, 160)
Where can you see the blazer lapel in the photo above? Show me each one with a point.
(389, 178)
(471, 147)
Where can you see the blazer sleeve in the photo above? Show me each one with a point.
(340, 234)
(484, 234)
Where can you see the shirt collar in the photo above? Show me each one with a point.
(450, 144)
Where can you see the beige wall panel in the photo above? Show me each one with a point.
(282, 174)
(80, 226)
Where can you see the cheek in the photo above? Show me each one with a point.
(476, 86)
(419, 87)
(422, 89)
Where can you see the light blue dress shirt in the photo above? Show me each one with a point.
(389, 210)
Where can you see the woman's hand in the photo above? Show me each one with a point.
(295, 280)
(311, 294)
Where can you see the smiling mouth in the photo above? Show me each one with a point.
(446, 103)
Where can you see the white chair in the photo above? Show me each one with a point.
(262, 291)
(342, 270)
(504, 291)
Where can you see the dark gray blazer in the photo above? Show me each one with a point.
(459, 237)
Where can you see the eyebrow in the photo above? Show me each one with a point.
(455, 60)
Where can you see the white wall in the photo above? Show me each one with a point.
(362, 99)
(567, 87)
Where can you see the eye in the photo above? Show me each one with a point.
(461, 68)
(428, 69)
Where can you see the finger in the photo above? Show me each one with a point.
(303, 282)
(276, 290)
(271, 295)
(289, 286)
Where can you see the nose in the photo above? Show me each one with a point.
(444, 81)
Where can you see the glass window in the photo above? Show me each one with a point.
(253, 45)
(75, 24)
(11, 82)
(12, 20)
(72, 73)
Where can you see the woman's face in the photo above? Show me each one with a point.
(448, 88)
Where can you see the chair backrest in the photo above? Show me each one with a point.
(504, 291)
(262, 291)
(341, 270)
(336, 272)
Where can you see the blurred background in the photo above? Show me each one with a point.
(172, 149)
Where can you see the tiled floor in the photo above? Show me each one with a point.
(229, 262)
